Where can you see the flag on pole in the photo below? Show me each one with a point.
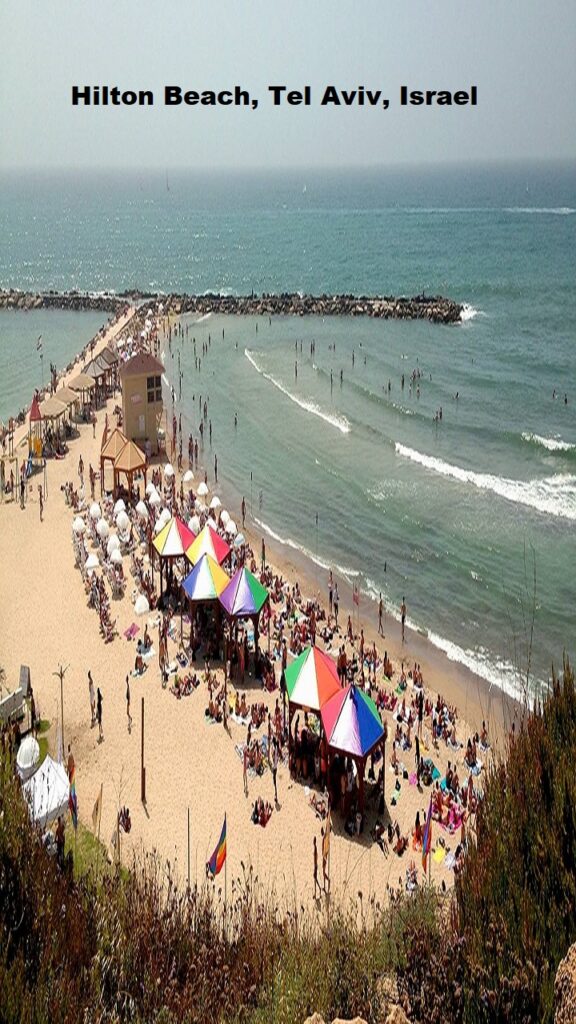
(97, 811)
(427, 839)
(216, 862)
(39, 344)
(72, 799)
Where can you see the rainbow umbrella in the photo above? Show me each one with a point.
(351, 722)
(244, 595)
(312, 679)
(174, 539)
(206, 581)
(208, 542)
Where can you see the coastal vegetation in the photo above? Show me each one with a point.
(80, 945)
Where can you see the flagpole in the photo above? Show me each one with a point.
(99, 820)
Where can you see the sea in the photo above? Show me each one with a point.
(331, 427)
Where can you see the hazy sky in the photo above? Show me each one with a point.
(520, 53)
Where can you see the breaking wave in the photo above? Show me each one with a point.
(553, 444)
(340, 422)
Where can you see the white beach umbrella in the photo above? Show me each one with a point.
(113, 543)
(116, 557)
(215, 503)
(200, 507)
(150, 488)
(119, 506)
(212, 522)
(122, 521)
(95, 511)
(231, 528)
(224, 517)
(188, 477)
(102, 529)
(194, 524)
(202, 490)
(155, 499)
(141, 606)
(27, 757)
(142, 510)
(239, 540)
(169, 470)
(91, 562)
(78, 525)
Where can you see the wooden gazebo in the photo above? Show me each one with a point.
(130, 461)
(112, 445)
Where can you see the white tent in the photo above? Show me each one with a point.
(47, 792)
(27, 757)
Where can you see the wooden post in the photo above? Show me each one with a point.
(143, 770)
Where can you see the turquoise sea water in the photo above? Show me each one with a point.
(457, 515)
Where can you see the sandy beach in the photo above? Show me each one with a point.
(190, 764)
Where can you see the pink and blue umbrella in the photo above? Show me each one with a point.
(351, 722)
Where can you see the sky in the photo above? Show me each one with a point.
(521, 55)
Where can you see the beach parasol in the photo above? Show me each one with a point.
(211, 522)
(194, 524)
(142, 510)
(202, 490)
(215, 503)
(116, 557)
(141, 606)
(102, 529)
(78, 525)
(206, 581)
(188, 477)
(231, 529)
(122, 521)
(174, 539)
(208, 542)
(150, 488)
(224, 517)
(312, 679)
(244, 595)
(113, 542)
(169, 470)
(155, 499)
(351, 722)
(239, 540)
(119, 506)
(95, 511)
(91, 562)
(27, 757)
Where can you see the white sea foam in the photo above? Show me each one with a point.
(343, 570)
(205, 316)
(561, 211)
(469, 313)
(555, 495)
(166, 381)
(553, 444)
(340, 422)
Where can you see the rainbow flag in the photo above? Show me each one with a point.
(427, 839)
(72, 799)
(216, 862)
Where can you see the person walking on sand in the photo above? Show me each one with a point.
(336, 602)
(380, 612)
(81, 471)
(316, 882)
(92, 700)
(99, 714)
(275, 766)
(330, 591)
(243, 512)
(403, 617)
(216, 468)
(128, 715)
(263, 555)
(41, 502)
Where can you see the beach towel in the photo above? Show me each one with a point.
(149, 654)
(439, 854)
(131, 632)
(450, 861)
(413, 778)
(429, 763)
(239, 720)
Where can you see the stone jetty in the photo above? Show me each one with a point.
(420, 307)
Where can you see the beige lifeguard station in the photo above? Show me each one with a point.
(142, 405)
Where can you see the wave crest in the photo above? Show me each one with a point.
(553, 444)
(340, 422)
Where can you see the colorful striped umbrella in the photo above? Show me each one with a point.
(206, 581)
(208, 542)
(351, 722)
(244, 595)
(312, 679)
(174, 539)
